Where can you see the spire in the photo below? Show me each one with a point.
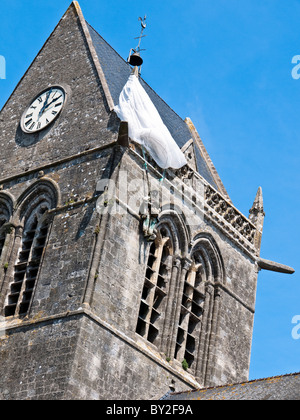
(257, 213)
(259, 201)
(257, 217)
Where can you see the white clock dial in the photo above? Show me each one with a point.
(43, 110)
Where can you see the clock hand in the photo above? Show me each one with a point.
(48, 96)
(54, 100)
(50, 108)
(45, 103)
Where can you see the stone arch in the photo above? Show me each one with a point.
(161, 279)
(206, 247)
(6, 207)
(43, 193)
(31, 237)
(180, 230)
(156, 284)
(200, 305)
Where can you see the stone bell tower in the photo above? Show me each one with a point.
(114, 292)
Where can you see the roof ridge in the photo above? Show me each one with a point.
(237, 383)
(94, 55)
(206, 157)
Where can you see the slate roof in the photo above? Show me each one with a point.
(286, 387)
(117, 71)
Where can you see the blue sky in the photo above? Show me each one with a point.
(227, 65)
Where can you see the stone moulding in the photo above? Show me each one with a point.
(230, 219)
(217, 209)
(51, 165)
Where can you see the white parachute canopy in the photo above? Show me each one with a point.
(146, 126)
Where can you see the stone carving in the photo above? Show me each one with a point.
(232, 216)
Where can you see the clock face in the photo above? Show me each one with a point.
(44, 109)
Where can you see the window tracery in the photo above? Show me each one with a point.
(199, 307)
(28, 263)
(191, 312)
(156, 284)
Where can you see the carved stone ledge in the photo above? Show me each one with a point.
(231, 215)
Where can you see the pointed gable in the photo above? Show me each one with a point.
(65, 60)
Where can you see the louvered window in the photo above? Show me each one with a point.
(190, 316)
(155, 289)
(27, 266)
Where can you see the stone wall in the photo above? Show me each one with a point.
(110, 367)
(36, 360)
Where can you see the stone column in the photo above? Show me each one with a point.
(211, 360)
(204, 338)
(186, 264)
(167, 336)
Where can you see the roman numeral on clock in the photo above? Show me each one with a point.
(28, 122)
(56, 99)
(44, 109)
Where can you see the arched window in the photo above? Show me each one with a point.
(199, 306)
(191, 313)
(28, 263)
(30, 241)
(156, 285)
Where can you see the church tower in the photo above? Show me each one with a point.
(118, 279)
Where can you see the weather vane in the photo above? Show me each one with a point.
(134, 58)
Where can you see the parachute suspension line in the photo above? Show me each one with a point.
(163, 177)
(146, 166)
(150, 212)
(144, 154)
